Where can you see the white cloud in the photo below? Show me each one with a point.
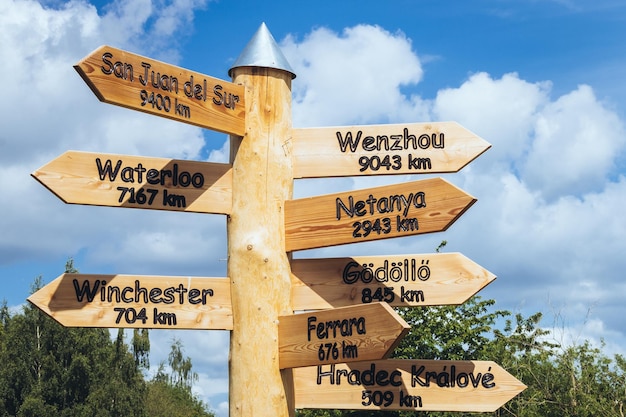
(221, 154)
(43, 45)
(352, 77)
(150, 28)
(577, 141)
(502, 111)
(547, 220)
(568, 146)
(124, 21)
(51, 110)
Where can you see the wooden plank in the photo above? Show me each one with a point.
(399, 280)
(406, 384)
(139, 83)
(398, 210)
(348, 334)
(139, 182)
(413, 148)
(134, 301)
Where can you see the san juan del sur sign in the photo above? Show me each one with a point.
(304, 333)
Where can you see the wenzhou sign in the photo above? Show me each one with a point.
(138, 182)
(340, 335)
(112, 301)
(144, 84)
(406, 384)
(406, 209)
(400, 280)
(414, 148)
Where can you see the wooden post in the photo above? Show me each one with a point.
(258, 265)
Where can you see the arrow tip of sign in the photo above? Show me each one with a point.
(262, 51)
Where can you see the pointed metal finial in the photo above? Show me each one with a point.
(262, 51)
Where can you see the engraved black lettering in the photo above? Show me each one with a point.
(330, 374)
(107, 169)
(419, 163)
(219, 97)
(415, 376)
(395, 144)
(168, 296)
(119, 69)
(139, 292)
(404, 270)
(333, 328)
(410, 401)
(342, 206)
(139, 174)
(109, 68)
(411, 295)
(144, 79)
(349, 141)
(487, 381)
(113, 292)
(85, 289)
(346, 141)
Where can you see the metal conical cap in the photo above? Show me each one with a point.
(262, 51)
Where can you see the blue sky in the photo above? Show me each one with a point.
(542, 81)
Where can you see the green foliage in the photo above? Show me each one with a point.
(576, 381)
(169, 395)
(166, 400)
(182, 375)
(53, 371)
(448, 332)
(319, 413)
(141, 347)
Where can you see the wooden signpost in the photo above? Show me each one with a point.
(139, 83)
(271, 349)
(149, 302)
(399, 210)
(406, 384)
(347, 334)
(414, 148)
(400, 280)
(138, 182)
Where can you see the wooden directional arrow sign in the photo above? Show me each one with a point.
(345, 334)
(406, 209)
(140, 83)
(139, 182)
(415, 148)
(472, 386)
(80, 300)
(400, 280)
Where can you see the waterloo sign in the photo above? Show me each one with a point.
(138, 182)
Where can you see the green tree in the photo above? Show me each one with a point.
(55, 371)
(141, 347)
(449, 332)
(169, 394)
(575, 381)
